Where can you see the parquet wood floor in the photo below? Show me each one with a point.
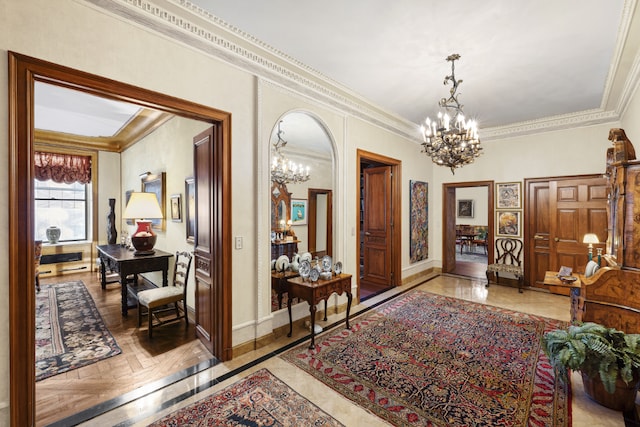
(172, 349)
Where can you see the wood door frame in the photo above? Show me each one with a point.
(313, 198)
(396, 200)
(24, 71)
(449, 219)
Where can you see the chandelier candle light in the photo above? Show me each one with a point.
(284, 171)
(450, 140)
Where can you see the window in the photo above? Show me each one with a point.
(62, 205)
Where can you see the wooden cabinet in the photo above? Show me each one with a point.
(284, 247)
(66, 258)
(611, 296)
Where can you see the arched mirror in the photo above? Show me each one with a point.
(301, 195)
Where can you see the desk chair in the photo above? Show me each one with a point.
(507, 261)
(155, 300)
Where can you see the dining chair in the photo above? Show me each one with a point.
(159, 300)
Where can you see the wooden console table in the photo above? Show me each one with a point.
(314, 292)
(124, 261)
(574, 288)
(279, 283)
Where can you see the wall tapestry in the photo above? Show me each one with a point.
(419, 221)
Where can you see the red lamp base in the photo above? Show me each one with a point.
(144, 239)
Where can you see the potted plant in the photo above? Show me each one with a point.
(608, 359)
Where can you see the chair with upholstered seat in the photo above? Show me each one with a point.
(508, 260)
(36, 262)
(160, 299)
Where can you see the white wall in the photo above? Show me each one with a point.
(479, 195)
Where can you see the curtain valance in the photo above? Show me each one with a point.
(62, 168)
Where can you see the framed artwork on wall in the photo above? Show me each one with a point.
(298, 211)
(176, 207)
(418, 221)
(190, 208)
(127, 196)
(156, 184)
(508, 223)
(465, 208)
(509, 195)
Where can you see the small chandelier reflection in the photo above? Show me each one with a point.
(450, 140)
(284, 171)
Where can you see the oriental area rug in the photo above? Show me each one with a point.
(70, 332)
(429, 360)
(260, 399)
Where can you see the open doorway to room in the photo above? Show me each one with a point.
(24, 73)
(467, 239)
(378, 210)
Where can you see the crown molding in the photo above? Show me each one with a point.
(182, 21)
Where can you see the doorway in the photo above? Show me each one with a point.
(379, 224)
(23, 73)
(320, 222)
(451, 241)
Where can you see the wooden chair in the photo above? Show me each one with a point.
(508, 260)
(36, 262)
(155, 300)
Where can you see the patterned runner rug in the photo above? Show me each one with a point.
(70, 332)
(429, 360)
(257, 400)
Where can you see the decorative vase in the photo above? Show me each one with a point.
(53, 234)
(112, 233)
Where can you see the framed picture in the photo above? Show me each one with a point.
(156, 184)
(508, 223)
(418, 221)
(127, 196)
(465, 208)
(176, 207)
(298, 211)
(190, 208)
(508, 195)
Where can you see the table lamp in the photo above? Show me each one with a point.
(143, 207)
(590, 238)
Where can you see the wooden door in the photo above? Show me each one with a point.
(320, 222)
(212, 245)
(561, 211)
(377, 226)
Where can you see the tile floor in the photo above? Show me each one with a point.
(158, 403)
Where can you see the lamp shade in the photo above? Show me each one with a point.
(141, 206)
(590, 238)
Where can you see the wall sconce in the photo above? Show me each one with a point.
(144, 175)
(590, 238)
(143, 207)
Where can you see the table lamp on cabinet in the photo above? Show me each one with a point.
(590, 238)
(143, 207)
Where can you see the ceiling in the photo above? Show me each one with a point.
(520, 60)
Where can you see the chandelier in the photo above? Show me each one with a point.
(284, 171)
(450, 140)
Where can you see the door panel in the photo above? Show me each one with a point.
(377, 226)
(561, 211)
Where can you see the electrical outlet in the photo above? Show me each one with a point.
(238, 242)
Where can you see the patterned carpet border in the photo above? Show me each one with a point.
(426, 359)
(260, 399)
(70, 332)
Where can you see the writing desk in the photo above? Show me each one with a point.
(573, 289)
(123, 260)
(314, 292)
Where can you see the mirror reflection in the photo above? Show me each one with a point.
(301, 194)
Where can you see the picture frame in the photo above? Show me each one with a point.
(190, 208)
(156, 184)
(418, 221)
(175, 206)
(298, 211)
(465, 208)
(508, 223)
(508, 195)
